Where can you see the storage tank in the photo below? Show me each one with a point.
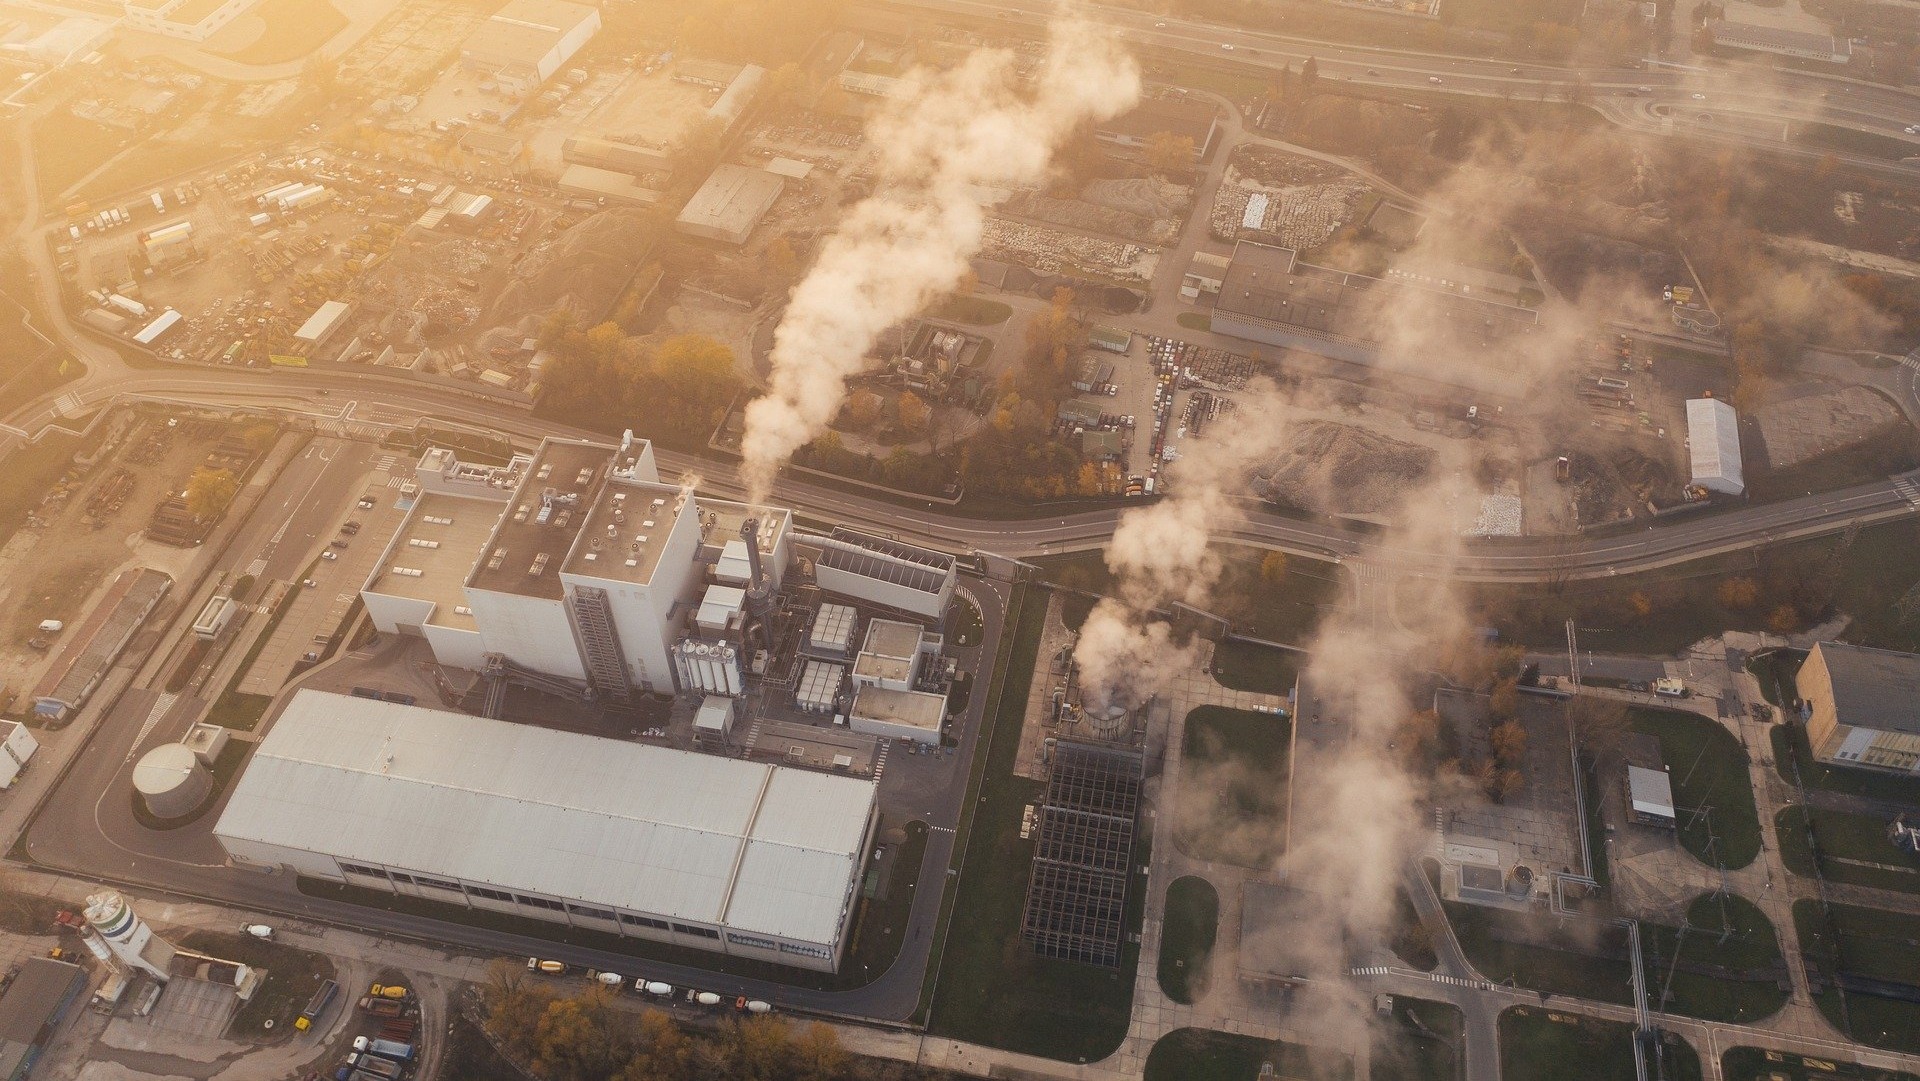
(1110, 720)
(171, 781)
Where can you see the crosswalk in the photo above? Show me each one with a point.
(385, 463)
(1912, 360)
(256, 568)
(753, 736)
(1435, 977)
(1908, 487)
(880, 760)
(396, 482)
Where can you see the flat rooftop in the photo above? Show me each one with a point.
(441, 539)
(744, 845)
(721, 519)
(525, 30)
(543, 518)
(916, 709)
(893, 638)
(626, 530)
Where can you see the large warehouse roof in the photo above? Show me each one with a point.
(745, 845)
(524, 31)
(1713, 438)
(1872, 688)
(730, 203)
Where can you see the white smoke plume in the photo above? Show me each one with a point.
(1163, 553)
(947, 138)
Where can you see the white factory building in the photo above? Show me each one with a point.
(747, 859)
(1713, 445)
(882, 572)
(192, 20)
(526, 41)
(574, 562)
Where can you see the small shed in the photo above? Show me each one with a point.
(714, 719)
(1650, 797)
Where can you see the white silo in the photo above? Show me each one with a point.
(128, 937)
(171, 780)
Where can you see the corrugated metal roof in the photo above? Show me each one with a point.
(581, 817)
(1651, 791)
(1713, 439)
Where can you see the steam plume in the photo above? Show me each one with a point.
(947, 138)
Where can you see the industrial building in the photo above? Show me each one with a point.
(730, 203)
(189, 20)
(1269, 295)
(320, 327)
(714, 853)
(1083, 854)
(1191, 118)
(1205, 274)
(896, 714)
(1713, 446)
(879, 571)
(1862, 706)
(89, 655)
(577, 563)
(31, 1009)
(526, 41)
(1779, 41)
(17, 747)
(67, 39)
(593, 182)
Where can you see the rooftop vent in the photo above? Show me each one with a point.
(407, 572)
(499, 557)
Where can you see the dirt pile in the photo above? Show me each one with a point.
(1341, 469)
(584, 269)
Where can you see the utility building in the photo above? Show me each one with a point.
(876, 570)
(1862, 706)
(1713, 443)
(742, 858)
(730, 204)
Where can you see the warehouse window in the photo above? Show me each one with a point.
(538, 902)
(643, 921)
(436, 883)
(400, 876)
(362, 869)
(750, 940)
(806, 951)
(703, 932)
(594, 913)
(491, 895)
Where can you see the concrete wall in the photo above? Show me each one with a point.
(456, 647)
(1815, 688)
(534, 631)
(396, 615)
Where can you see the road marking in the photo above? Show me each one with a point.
(1908, 488)
(880, 760)
(257, 568)
(160, 707)
(385, 464)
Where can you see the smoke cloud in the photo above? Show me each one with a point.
(947, 138)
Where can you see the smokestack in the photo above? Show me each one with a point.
(750, 533)
(759, 588)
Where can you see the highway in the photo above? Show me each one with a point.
(318, 394)
(1661, 99)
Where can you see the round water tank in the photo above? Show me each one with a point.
(171, 781)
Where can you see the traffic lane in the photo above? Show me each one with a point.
(315, 508)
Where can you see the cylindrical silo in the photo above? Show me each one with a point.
(171, 781)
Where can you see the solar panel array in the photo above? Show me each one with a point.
(1077, 895)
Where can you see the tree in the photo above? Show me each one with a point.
(1273, 568)
(1509, 744)
(514, 1008)
(817, 1054)
(577, 1038)
(1641, 604)
(1784, 619)
(698, 372)
(1738, 593)
(662, 1052)
(1600, 725)
(863, 408)
(1169, 153)
(914, 413)
(209, 491)
(1506, 783)
(1504, 701)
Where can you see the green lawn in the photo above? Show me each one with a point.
(973, 310)
(1420, 1042)
(1711, 789)
(1233, 786)
(1731, 981)
(992, 989)
(1759, 1064)
(294, 29)
(1245, 666)
(1195, 1054)
(1569, 966)
(1790, 748)
(1871, 944)
(1186, 938)
(1544, 1045)
(1854, 849)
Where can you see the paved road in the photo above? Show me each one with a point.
(1731, 95)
